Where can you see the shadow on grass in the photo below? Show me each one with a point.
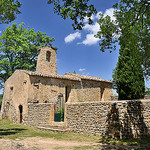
(128, 144)
(5, 132)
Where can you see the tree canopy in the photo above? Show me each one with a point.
(9, 10)
(18, 49)
(131, 16)
(76, 10)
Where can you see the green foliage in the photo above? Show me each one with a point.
(131, 17)
(59, 116)
(128, 75)
(18, 49)
(131, 30)
(8, 10)
(74, 72)
(76, 10)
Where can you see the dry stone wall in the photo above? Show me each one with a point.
(38, 113)
(115, 119)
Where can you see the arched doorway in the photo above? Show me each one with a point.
(20, 113)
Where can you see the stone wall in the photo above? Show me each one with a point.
(117, 119)
(39, 113)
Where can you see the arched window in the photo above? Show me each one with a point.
(48, 55)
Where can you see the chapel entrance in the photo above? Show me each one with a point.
(59, 109)
(20, 113)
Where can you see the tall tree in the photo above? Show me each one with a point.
(129, 14)
(131, 30)
(18, 49)
(9, 10)
(128, 75)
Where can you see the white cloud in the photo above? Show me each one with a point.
(93, 29)
(71, 37)
(90, 40)
(90, 30)
(0, 31)
(82, 69)
(110, 13)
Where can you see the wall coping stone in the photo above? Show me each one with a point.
(118, 101)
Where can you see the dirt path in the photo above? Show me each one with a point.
(38, 143)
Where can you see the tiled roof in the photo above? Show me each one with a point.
(86, 77)
(67, 76)
(50, 75)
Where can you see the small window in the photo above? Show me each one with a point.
(48, 55)
(102, 92)
(11, 88)
(67, 92)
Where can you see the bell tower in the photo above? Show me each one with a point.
(46, 63)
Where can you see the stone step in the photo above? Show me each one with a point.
(53, 129)
(54, 125)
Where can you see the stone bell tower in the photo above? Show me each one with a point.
(46, 63)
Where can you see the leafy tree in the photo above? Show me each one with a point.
(129, 14)
(18, 49)
(131, 30)
(8, 10)
(128, 75)
(76, 10)
(74, 72)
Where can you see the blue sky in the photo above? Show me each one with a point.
(77, 50)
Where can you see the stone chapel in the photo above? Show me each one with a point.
(35, 97)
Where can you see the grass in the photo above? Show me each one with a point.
(127, 142)
(9, 130)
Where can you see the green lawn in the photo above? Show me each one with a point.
(9, 130)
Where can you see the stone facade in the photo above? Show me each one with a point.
(27, 90)
(116, 119)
